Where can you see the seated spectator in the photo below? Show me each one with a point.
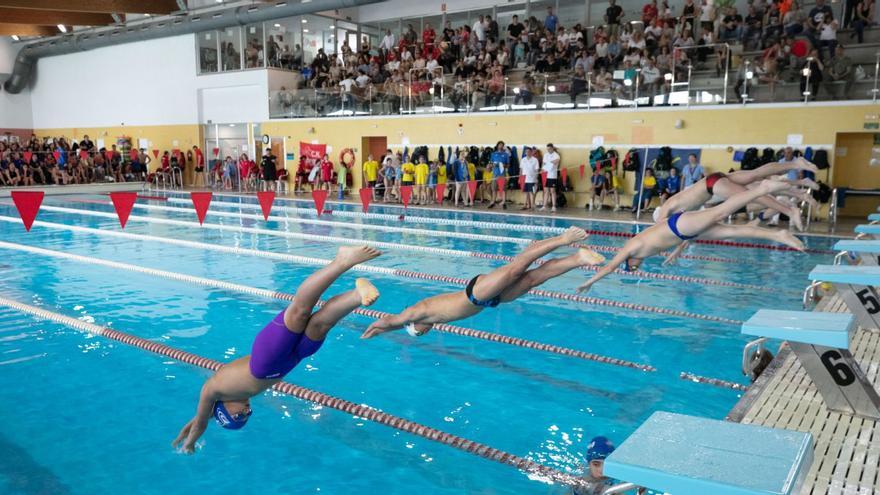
(649, 13)
(840, 69)
(864, 17)
(827, 38)
(731, 28)
(651, 78)
(753, 29)
(672, 186)
(794, 19)
(773, 26)
(578, 84)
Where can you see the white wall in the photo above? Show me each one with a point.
(15, 110)
(143, 83)
(393, 9)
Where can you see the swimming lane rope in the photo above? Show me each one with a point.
(404, 247)
(712, 381)
(370, 313)
(314, 396)
(394, 272)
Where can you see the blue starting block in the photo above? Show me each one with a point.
(821, 342)
(872, 230)
(857, 286)
(874, 217)
(681, 454)
(866, 252)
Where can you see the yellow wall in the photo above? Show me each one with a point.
(704, 127)
(853, 170)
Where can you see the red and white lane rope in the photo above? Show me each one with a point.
(394, 272)
(498, 225)
(399, 246)
(712, 381)
(314, 396)
(370, 313)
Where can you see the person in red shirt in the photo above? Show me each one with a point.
(428, 36)
(326, 173)
(649, 12)
(244, 168)
(199, 175)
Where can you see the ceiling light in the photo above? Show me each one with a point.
(15, 37)
(148, 15)
(231, 125)
(305, 21)
(277, 25)
(62, 28)
(305, 30)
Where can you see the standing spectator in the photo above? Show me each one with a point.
(827, 38)
(370, 171)
(515, 29)
(428, 37)
(688, 13)
(228, 173)
(613, 15)
(529, 169)
(491, 28)
(461, 176)
(649, 12)
(864, 17)
(550, 21)
(811, 74)
(840, 69)
(551, 168)
(692, 172)
(479, 31)
(819, 15)
(707, 15)
(269, 169)
(499, 161)
(388, 43)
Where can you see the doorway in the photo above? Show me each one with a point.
(373, 145)
(852, 168)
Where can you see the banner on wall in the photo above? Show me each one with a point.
(313, 151)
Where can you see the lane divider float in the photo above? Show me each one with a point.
(394, 272)
(712, 381)
(314, 396)
(368, 312)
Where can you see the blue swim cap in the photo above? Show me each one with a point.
(599, 448)
(227, 420)
(627, 268)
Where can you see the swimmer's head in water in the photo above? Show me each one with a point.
(232, 415)
(632, 264)
(598, 449)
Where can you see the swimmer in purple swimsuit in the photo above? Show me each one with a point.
(292, 336)
(702, 224)
(501, 285)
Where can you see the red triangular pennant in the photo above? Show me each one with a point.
(501, 182)
(266, 199)
(564, 174)
(544, 178)
(56, 155)
(123, 202)
(27, 156)
(405, 195)
(108, 155)
(582, 169)
(320, 196)
(472, 189)
(83, 154)
(522, 182)
(28, 205)
(216, 151)
(614, 163)
(155, 153)
(366, 197)
(133, 154)
(201, 201)
(441, 193)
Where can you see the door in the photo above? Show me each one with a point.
(852, 168)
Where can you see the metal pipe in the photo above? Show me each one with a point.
(163, 27)
(876, 74)
(726, 71)
(807, 72)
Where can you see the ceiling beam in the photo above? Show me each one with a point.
(50, 18)
(26, 30)
(100, 6)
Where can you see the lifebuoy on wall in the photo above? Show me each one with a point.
(351, 158)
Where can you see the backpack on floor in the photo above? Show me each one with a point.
(823, 194)
(596, 158)
(611, 159)
(561, 200)
(820, 158)
(768, 156)
(473, 155)
(632, 161)
(513, 169)
(750, 160)
(663, 162)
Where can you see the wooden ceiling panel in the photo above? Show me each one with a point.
(96, 6)
(27, 30)
(53, 18)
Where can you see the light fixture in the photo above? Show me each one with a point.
(231, 125)
(62, 28)
(668, 76)
(277, 25)
(750, 74)
(305, 21)
(148, 15)
(15, 37)
(551, 88)
(305, 30)
(516, 91)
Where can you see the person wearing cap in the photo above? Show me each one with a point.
(596, 482)
(293, 335)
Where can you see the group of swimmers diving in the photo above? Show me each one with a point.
(298, 332)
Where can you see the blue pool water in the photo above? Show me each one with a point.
(84, 415)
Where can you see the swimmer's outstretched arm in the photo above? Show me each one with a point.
(414, 314)
(673, 256)
(194, 429)
(609, 268)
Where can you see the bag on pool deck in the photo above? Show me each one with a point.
(473, 155)
(820, 158)
(513, 169)
(631, 161)
(611, 160)
(663, 162)
(750, 160)
(823, 194)
(596, 157)
(561, 200)
(768, 156)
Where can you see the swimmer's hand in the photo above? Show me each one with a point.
(189, 434)
(585, 287)
(376, 328)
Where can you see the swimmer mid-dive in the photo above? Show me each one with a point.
(292, 336)
(702, 224)
(501, 285)
(724, 186)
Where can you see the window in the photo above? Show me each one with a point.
(254, 52)
(208, 57)
(230, 48)
(284, 43)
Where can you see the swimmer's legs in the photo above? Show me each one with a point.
(548, 270)
(495, 282)
(743, 177)
(338, 307)
(729, 188)
(750, 231)
(696, 222)
(309, 292)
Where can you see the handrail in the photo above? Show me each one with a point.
(690, 66)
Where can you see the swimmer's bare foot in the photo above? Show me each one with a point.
(367, 291)
(805, 165)
(573, 234)
(809, 183)
(589, 257)
(808, 197)
(794, 217)
(354, 255)
(789, 239)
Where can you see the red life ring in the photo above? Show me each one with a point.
(350, 162)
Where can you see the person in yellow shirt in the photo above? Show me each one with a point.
(421, 190)
(472, 172)
(441, 177)
(649, 188)
(485, 188)
(408, 171)
(371, 173)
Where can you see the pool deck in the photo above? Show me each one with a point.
(847, 455)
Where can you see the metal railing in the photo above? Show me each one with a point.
(711, 46)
